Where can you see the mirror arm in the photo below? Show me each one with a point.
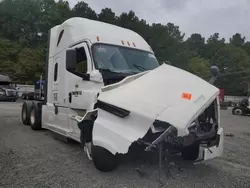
(86, 76)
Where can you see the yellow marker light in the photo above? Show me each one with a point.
(186, 96)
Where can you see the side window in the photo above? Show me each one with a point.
(60, 37)
(55, 72)
(81, 61)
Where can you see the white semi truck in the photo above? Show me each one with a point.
(105, 89)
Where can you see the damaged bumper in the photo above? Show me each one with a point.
(215, 150)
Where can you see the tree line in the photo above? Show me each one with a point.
(24, 26)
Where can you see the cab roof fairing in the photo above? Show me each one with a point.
(77, 29)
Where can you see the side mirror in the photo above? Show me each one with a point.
(71, 60)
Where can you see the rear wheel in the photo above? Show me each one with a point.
(26, 112)
(35, 116)
(103, 159)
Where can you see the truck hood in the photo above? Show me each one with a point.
(166, 93)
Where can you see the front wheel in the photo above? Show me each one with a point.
(191, 153)
(103, 159)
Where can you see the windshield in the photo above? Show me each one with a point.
(122, 59)
(4, 83)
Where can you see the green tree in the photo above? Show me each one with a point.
(214, 44)
(200, 67)
(234, 63)
(108, 16)
(82, 9)
(8, 56)
(196, 43)
(246, 47)
(29, 65)
(19, 21)
(237, 40)
(24, 26)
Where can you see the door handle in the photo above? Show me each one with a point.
(70, 97)
(56, 108)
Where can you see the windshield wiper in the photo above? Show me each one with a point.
(119, 72)
(110, 70)
(139, 67)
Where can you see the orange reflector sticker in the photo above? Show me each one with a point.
(98, 39)
(187, 96)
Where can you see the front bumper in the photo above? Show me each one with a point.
(207, 153)
(8, 98)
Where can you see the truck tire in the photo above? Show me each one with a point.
(35, 116)
(26, 107)
(191, 153)
(237, 111)
(103, 159)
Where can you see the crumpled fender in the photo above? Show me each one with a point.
(117, 134)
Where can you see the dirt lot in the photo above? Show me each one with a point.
(38, 159)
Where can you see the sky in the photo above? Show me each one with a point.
(206, 17)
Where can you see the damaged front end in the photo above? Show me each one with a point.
(204, 139)
(166, 107)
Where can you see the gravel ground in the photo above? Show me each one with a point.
(39, 159)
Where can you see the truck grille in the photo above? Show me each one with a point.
(11, 93)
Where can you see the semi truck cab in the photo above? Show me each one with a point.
(7, 91)
(105, 89)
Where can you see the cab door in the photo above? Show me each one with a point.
(81, 90)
